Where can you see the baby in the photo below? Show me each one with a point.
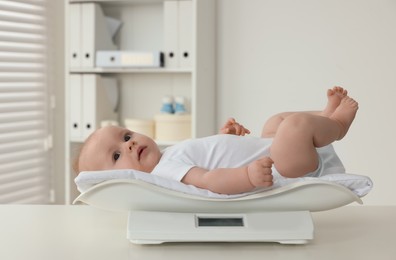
(229, 162)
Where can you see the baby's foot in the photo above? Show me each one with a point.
(344, 114)
(334, 97)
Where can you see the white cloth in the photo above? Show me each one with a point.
(360, 185)
(229, 151)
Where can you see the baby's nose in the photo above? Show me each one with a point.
(131, 145)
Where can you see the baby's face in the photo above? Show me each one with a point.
(114, 147)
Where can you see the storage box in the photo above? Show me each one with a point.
(141, 126)
(171, 128)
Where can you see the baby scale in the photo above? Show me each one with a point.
(146, 227)
(158, 215)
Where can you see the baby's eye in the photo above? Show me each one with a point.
(127, 137)
(116, 156)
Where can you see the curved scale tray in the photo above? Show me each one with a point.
(126, 195)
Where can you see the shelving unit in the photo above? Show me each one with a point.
(146, 27)
(129, 70)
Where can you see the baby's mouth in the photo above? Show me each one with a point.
(140, 151)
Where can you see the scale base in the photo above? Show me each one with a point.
(289, 227)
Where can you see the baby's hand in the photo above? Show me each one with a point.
(260, 173)
(232, 127)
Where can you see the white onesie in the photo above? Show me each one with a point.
(229, 151)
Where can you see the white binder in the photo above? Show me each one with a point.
(178, 34)
(75, 54)
(99, 102)
(129, 59)
(111, 96)
(75, 102)
(185, 27)
(95, 33)
(92, 99)
(171, 36)
(89, 104)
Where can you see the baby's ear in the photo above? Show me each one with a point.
(76, 161)
(75, 166)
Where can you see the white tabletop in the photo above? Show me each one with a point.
(82, 232)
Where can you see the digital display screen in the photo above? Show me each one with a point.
(220, 222)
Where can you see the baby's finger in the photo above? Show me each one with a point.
(242, 132)
(266, 181)
(266, 162)
(230, 121)
(267, 177)
(237, 128)
(246, 130)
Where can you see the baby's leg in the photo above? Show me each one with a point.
(334, 97)
(271, 125)
(294, 146)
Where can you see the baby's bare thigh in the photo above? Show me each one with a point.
(293, 156)
(271, 126)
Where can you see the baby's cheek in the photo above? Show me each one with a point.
(126, 163)
(151, 161)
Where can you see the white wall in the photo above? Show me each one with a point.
(282, 55)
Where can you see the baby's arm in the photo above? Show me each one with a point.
(232, 127)
(232, 180)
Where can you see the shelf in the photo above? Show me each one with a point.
(180, 27)
(131, 70)
(118, 1)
